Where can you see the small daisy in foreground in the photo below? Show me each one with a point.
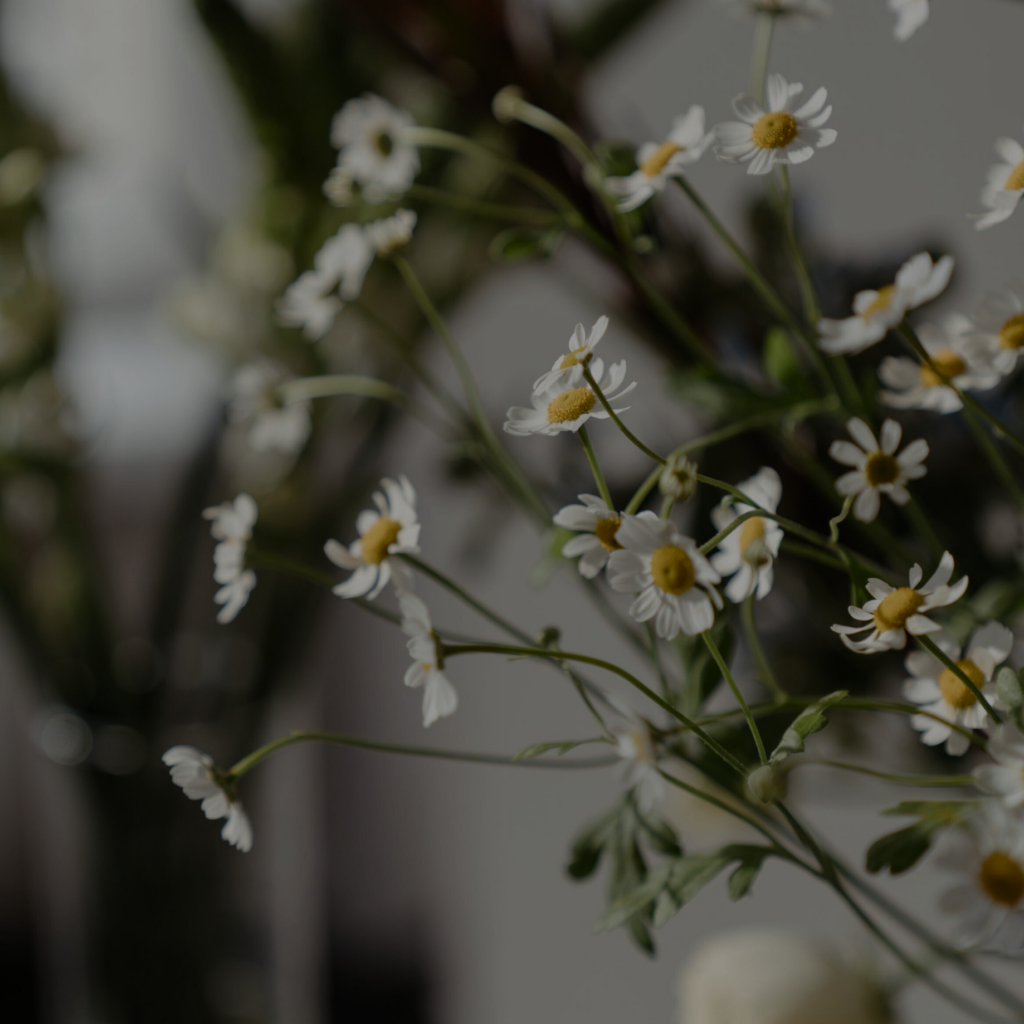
(999, 333)
(673, 582)
(568, 369)
(893, 612)
(635, 745)
(657, 163)
(778, 135)
(231, 524)
(1004, 185)
(197, 775)
(917, 386)
(1005, 778)
(750, 551)
(439, 696)
(597, 525)
(918, 281)
(392, 529)
(391, 233)
(368, 131)
(910, 16)
(567, 406)
(940, 691)
(877, 469)
(988, 897)
(273, 425)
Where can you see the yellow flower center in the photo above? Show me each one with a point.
(774, 130)
(1002, 878)
(655, 163)
(606, 530)
(378, 538)
(896, 608)
(1011, 334)
(672, 569)
(573, 359)
(881, 469)
(882, 301)
(571, 404)
(947, 363)
(1016, 178)
(752, 530)
(954, 691)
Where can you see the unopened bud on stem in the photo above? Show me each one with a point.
(678, 479)
(767, 783)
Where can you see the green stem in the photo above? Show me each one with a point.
(595, 467)
(894, 777)
(794, 547)
(762, 49)
(994, 456)
(803, 274)
(491, 211)
(768, 679)
(733, 525)
(936, 652)
(514, 107)
(589, 377)
(655, 656)
(921, 525)
(744, 707)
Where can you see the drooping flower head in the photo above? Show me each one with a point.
(893, 612)
(635, 745)
(197, 775)
(877, 468)
(568, 368)
(999, 329)
(940, 691)
(778, 135)
(658, 163)
(231, 525)
(272, 423)
(910, 16)
(673, 582)
(748, 553)
(392, 529)
(440, 698)
(391, 233)
(595, 540)
(918, 281)
(1005, 778)
(916, 385)
(1004, 185)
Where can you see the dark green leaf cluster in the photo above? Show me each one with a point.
(900, 851)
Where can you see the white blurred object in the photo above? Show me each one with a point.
(774, 976)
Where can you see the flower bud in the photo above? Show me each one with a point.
(678, 479)
(505, 103)
(767, 783)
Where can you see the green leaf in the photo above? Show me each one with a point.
(562, 746)
(590, 843)
(900, 851)
(635, 901)
(781, 361)
(808, 722)
(516, 245)
(641, 935)
(660, 835)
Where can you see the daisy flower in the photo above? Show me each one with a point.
(1004, 186)
(776, 135)
(917, 386)
(197, 775)
(391, 233)
(940, 691)
(595, 540)
(309, 304)
(368, 132)
(231, 525)
(439, 696)
(568, 369)
(1005, 778)
(988, 857)
(876, 312)
(657, 163)
(748, 553)
(273, 425)
(893, 612)
(392, 529)
(877, 469)
(672, 580)
(567, 406)
(999, 333)
(910, 16)
(635, 745)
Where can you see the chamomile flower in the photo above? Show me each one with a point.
(999, 329)
(369, 131)
(426, 670)
(197, 775)
(748, 553)
(916, 385)
(272, 423)
(910, 16)
(918, 281)
(877, 468)
(391, 233)
(231, 525)
(635, 745)
(673, 582)
(940, 691)
(988, 895)
(1004, 185)
(392, 529)
(567, 407)
(777, 135)
(657, 163)
(308, 303)
(344, 260)
(595, 541)
(893, 612)
(568, 369)
(1005, 778)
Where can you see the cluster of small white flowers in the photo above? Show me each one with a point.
(272, 423)
(231, 525)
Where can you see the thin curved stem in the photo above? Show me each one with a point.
(762, 49)
(589, 377)
(744, 707)
(595, 467)
(927, 781)
(768, 679)
(482, 208)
